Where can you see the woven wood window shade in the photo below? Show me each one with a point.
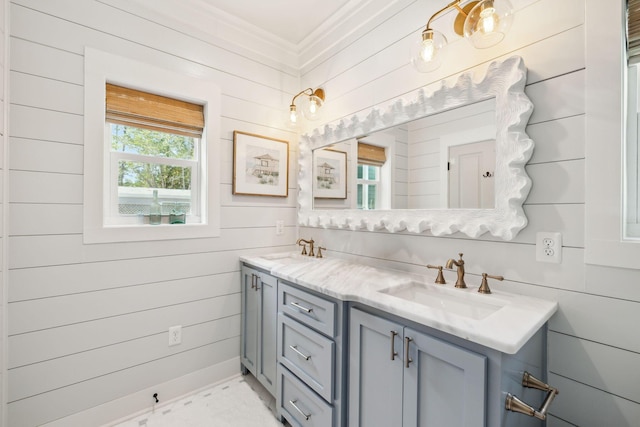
(131, 107)
(371, 155)
(633, 31)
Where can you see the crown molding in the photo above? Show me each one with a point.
(208, 23)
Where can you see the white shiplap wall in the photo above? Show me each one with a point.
(87, 324)
(3, 206)
(593, 344)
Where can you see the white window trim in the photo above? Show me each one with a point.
(102, 67)
(605, 62)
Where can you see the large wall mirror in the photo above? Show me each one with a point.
(447, 159)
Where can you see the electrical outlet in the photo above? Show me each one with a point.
(175, 335)
(549, 247)
(279, 227)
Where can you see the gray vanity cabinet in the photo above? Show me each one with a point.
(310, 355)
(259, 314)
(399, 376)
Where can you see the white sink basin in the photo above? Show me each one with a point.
(288, 258)
(454, 301)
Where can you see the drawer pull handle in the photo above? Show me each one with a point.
(407, 359)
(293, 403)
(301, 354)
(298, 306)
(394, 353)
(254, 281)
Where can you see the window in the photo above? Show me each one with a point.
(371, 158)
(154, 145)
(605, 62)
(148, 130)
(368, 182)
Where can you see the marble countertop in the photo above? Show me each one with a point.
(510, 321)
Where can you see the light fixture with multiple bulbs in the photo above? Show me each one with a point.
(310, 104)
(484, 23)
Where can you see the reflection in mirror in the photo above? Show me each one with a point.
(483, 188)
(446, 160)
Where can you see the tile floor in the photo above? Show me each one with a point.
(238, 402)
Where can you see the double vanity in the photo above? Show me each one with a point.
(345, 344)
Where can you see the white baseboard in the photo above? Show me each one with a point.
(130, 406)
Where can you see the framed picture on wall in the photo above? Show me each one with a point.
(330, 174)
(260, 165)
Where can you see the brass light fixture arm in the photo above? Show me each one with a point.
(459, 21)
(514, 404)
(455, 4)
(309, 92)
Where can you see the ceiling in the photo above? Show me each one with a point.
(290, 20)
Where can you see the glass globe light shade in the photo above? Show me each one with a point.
(488, 22)
(311, 106)
(427, 53)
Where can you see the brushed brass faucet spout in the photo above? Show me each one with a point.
(303, 243)
(460, 264)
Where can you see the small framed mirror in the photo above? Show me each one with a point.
(442, 159)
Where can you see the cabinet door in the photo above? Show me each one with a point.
(375, 371)
(249, 343)
(267, 315)
(445, 385)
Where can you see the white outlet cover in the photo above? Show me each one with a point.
(279, 227)
(549, 247)
(175, 335)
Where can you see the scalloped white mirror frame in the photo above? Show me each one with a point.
(503, 80)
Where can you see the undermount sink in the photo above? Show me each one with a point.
(454, 301)
(288, 258)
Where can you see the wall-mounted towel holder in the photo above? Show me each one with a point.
(514, 404)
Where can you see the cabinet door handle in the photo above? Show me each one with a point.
(293, 403)
(253, 281)
(407, 341)
(394, 353)
(301, 354)
(300, 307)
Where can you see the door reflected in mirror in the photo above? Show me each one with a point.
(446, 160)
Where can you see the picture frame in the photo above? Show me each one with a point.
(260, 165)
(329, 174)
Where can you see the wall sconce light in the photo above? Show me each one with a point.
(484, 23)
(310, 104)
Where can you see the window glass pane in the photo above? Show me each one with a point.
(137, 180)
(360, 173)
(134, 140)
(372, 171)
(371, 196)
(150, 175)
(359, 197)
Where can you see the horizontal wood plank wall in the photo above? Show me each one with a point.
(88, 323)
(593, 345)
(3, 212)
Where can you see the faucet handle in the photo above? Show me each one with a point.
(304, 249)
(440, 278)
(484, 285)
(320, 249)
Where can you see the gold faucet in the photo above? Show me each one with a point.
(460, 264)
(303, 243)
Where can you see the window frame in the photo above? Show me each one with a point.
(101, 68)
(605, 137)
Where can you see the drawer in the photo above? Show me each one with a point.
(300, 405)
(307, 354)
(312, 310)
